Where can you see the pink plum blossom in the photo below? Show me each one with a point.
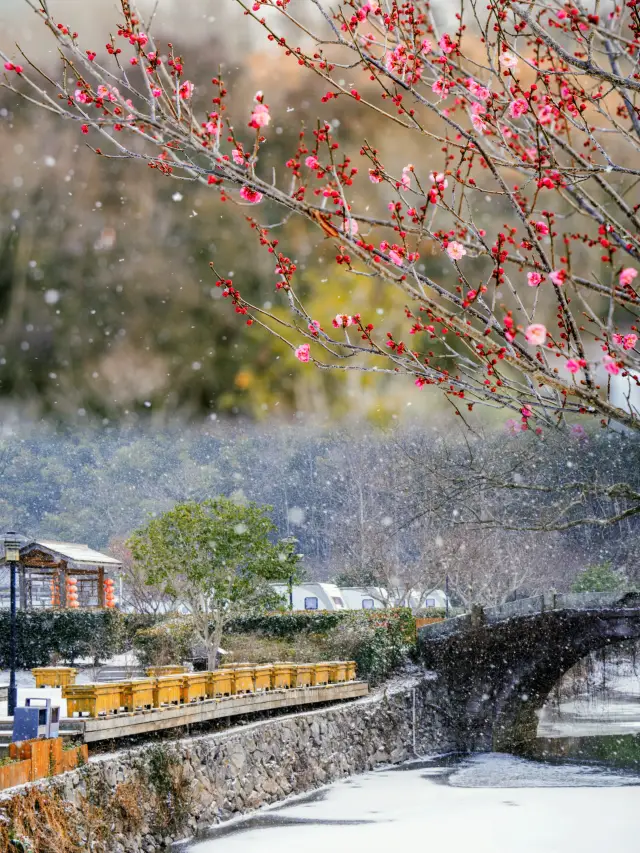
(477, 89)
(312, 161)
(302, 352)
(456, 251)
(518, 108)
(186, 90)
(627, 275)
(508, 60)
(558, 277)
(252, 196)
(374, 176)
(441, 87)
(439, 179)
(534, 279)
(541, 227)
(238, 157)
(445, 43)
(260, 116)
(350, 226)
(396, 257)
(546, 114)
(536, 334)
(478, 125)
(610, 365)
(512, 426)
(342, 321)
(405, 180)
(625, 341)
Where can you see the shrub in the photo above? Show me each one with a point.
(430, 613)
(290, 623)
(170, 641)
(377, 640)
(602, 578)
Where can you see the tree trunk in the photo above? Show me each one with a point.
(214, 645)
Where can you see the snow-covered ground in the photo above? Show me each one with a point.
(488, 804)
(610, 706)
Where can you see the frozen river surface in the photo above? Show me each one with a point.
(487, 804)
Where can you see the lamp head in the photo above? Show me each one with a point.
(11, 547)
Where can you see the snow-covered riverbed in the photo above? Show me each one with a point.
(488, 804)
(610, 706)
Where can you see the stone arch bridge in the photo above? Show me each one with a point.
(497, 666)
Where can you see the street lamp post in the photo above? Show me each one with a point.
(12, 557)
(446, 596)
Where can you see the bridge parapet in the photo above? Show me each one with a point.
(530, 607)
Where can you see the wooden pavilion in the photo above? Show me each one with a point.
(62, 574)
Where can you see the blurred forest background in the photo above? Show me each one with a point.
(107, 300)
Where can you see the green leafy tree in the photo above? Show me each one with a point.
(602, 578)
(214, 558)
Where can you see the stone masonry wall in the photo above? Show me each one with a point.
(141, 800)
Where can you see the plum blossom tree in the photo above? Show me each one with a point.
(533, 107)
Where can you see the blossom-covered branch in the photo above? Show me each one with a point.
(528, 108)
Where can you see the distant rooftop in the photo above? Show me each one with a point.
(73, 552)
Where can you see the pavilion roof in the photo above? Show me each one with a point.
(73, 552)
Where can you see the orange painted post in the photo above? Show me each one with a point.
(137, 693)
(244, 679)
(194, 687)
(302, 675)
(74, 757)
(16, 773)
(263, 677)
(351, 670)
(57, 762)
(282, 676)
(320, 674)
(54, 676)
(41, 764)
(219, 683)
(167, 690)
(71, 758)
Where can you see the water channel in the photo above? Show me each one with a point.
(582, 795)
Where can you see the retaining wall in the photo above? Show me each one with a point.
(155, 794)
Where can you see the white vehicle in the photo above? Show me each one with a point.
(364, 598)
(312, 596)
(327, 596)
